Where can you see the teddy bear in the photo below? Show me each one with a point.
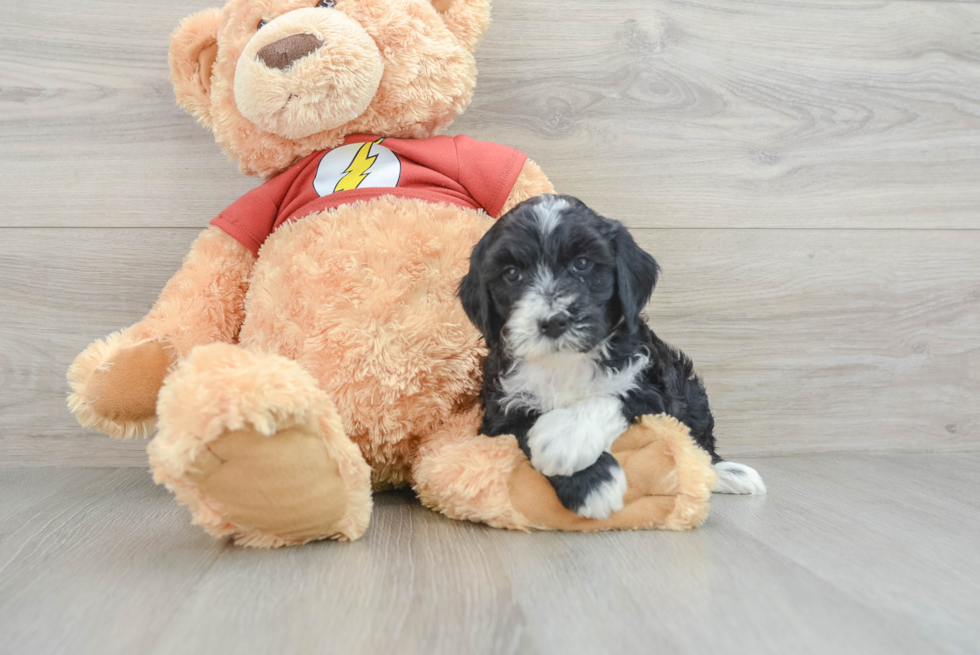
(312, 348)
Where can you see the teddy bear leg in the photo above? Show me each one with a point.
(466, 475)
(256, 450)
(488, 479)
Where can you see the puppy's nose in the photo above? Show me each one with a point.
(553, 327)
(284, 52)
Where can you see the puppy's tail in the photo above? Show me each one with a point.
(735, 478)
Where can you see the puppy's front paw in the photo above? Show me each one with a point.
(564, 441)
(560, 445)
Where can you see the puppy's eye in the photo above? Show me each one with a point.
(581, 265)
(326, 4)
(512, 275)
(262, 23)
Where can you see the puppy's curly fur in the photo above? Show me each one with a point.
(557, 292)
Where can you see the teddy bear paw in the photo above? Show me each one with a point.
(115, 385)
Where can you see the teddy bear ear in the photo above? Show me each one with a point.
(193, 49)
(466, 19)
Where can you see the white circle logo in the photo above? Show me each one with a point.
(357, 166)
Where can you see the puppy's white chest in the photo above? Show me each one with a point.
(561, 384)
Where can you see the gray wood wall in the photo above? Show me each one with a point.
(807, 173)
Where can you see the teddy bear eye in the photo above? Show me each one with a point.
(261, 24)
(326, 4)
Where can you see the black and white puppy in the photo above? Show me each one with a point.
(557, 291)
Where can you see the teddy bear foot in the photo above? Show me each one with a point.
(488, 479)
(256, 450)
(669, 482)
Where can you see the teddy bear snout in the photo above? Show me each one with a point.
(284, 52)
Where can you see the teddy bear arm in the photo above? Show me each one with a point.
(530, 183)
(115, 381)
(204, 302)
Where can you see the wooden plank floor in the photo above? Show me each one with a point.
(847, 554)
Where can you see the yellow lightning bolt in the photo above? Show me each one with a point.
(358, 168)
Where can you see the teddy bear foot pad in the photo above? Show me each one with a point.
(257, 452)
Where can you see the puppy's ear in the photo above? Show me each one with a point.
(475, 296)
(636, 275)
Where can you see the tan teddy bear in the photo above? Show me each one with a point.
(312, 345)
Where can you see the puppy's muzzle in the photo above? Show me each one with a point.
(554, 326)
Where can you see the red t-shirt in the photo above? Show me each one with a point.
(455, 170)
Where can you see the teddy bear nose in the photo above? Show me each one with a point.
(284, 52)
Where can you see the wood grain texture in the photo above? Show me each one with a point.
(418, 584)
(843, 556)
(100, 564)
(809, 341)
(844, 527)
(857, 124)
(90, 133)
(64, 288)
(745, 114)
(825, 340)
(714, 113)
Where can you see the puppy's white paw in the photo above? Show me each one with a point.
(560, 446)
(565, 441)
(735, 478)
(606, 498)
